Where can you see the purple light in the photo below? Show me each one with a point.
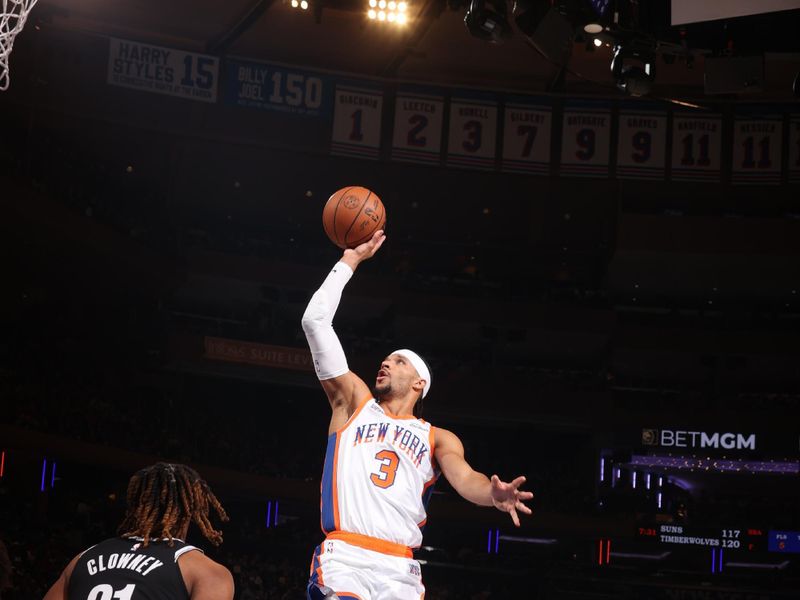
(660, 481)
(719, 465)
(647, 481)
(269, 512)
(53, 475)
(713, 560)
(633, 480)
(602, 468)
(659, 499)
(276, 513)
(44, 470)
(489, 543)
(720, 561)
(496, 541)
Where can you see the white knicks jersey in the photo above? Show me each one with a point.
(379, 475)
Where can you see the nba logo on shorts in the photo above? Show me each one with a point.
(650, 437)
(413, 569)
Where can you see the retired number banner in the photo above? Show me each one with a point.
(418, 120)
(696, 148)
(585, 142)
(473, 134)
(162, 70)
(757, 151)
(642, 145)
(794, 149)
(357, 122)
(526, 139)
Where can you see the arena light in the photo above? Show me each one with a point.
(488, 20)
(635, 79)
(301, 4)
(388, 11)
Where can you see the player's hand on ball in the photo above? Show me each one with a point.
(366, 250)
(509, 498)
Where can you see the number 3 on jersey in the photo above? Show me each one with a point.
(384, 478)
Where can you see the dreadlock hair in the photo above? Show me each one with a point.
(164, 499)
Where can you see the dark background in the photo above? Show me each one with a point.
(560, 316)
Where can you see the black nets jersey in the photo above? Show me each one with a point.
(123, 569)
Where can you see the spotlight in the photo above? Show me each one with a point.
(372, 14)
(402, 6)
(392, 5)
(487, 20)
(304, 4)
(295, 4)
(381, 16)
(598, 42)
(382, 4)
(402, 19)
(373, 3)
(634, 79)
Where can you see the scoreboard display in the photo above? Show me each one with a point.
(736, 538)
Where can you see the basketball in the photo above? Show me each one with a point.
(351, 215)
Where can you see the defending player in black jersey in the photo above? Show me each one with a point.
(150, 559)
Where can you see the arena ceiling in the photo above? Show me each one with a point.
(434, 47)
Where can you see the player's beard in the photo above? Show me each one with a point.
(379, 392)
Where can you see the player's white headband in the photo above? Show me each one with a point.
(419, 364)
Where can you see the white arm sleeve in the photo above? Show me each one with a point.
(326, 349)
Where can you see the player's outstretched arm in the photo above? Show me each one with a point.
(474, 486)
(343, 388)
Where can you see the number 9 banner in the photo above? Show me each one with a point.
(473, 134)
(642, 146)
(585, 142)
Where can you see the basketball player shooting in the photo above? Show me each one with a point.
(381, 461)
(150, 560)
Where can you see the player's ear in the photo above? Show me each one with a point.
(419, 385)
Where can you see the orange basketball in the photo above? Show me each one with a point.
(351, 215)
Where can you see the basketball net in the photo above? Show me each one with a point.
(12, 20)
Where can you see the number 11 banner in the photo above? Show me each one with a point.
(357, 122)
(473, 134)
(757, 151)
(526, 139)
(696, 148)
(642, 146)
(794, 149)
(585, 141)
(418, 120)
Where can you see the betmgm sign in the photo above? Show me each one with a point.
(677, 438)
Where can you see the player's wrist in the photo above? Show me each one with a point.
(351, 260)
